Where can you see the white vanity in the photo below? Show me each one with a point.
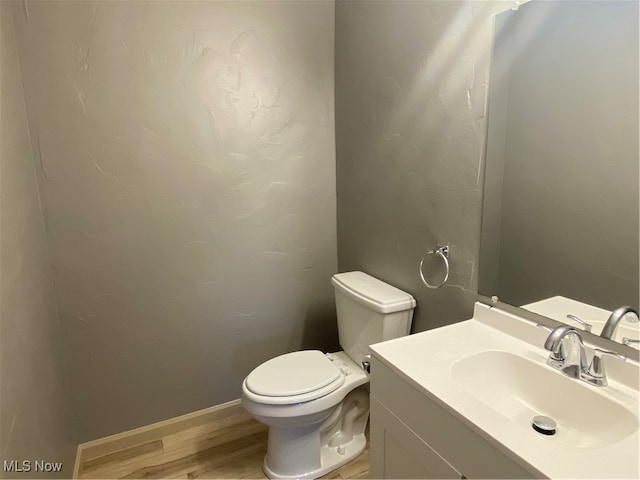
(458, 402)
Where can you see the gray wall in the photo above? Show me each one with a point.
(185, 156)
(570, 199)
(411, 81)
(34, 420)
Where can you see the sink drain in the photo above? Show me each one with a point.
(544, 425)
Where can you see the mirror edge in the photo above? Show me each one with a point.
(589, 338)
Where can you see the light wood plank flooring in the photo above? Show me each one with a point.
(232, 447)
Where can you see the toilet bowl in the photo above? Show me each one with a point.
(316, 405)
(309, 432)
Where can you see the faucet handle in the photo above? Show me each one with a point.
(544, 327)
(598, 353)
(629, 341)
(596, 374)
(587, 326)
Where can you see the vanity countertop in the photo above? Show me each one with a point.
(597, 435)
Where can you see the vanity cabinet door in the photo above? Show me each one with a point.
(437, 428)
(397, 452)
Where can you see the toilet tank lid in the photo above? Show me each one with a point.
(376, 294)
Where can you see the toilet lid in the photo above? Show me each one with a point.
(295, 373)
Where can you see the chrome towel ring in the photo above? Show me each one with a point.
(442, 252)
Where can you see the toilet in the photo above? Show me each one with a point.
(317, 405)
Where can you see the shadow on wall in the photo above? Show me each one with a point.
(410, 132)
(319, 329)
(316, 330)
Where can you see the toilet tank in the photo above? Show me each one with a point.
(369, 311)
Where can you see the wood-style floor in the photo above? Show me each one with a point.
(233, 447)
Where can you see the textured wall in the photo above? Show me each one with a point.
(411, 82)
(35, 395)
(570, 198)
(186, 162)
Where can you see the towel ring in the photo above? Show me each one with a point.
(442, 252)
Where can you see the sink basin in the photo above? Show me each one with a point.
(520, 389)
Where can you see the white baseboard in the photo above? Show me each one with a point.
(155, 431)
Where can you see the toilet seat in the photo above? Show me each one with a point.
(294, 378)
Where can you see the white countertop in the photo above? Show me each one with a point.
(425, 360)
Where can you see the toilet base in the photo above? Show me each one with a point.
(313, 450)
(331, 459)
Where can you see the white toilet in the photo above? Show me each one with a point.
(317, 405)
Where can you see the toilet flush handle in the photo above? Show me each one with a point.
(366, 363)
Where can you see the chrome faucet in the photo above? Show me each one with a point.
(567, 351)
(610, 327)
(569, 356)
